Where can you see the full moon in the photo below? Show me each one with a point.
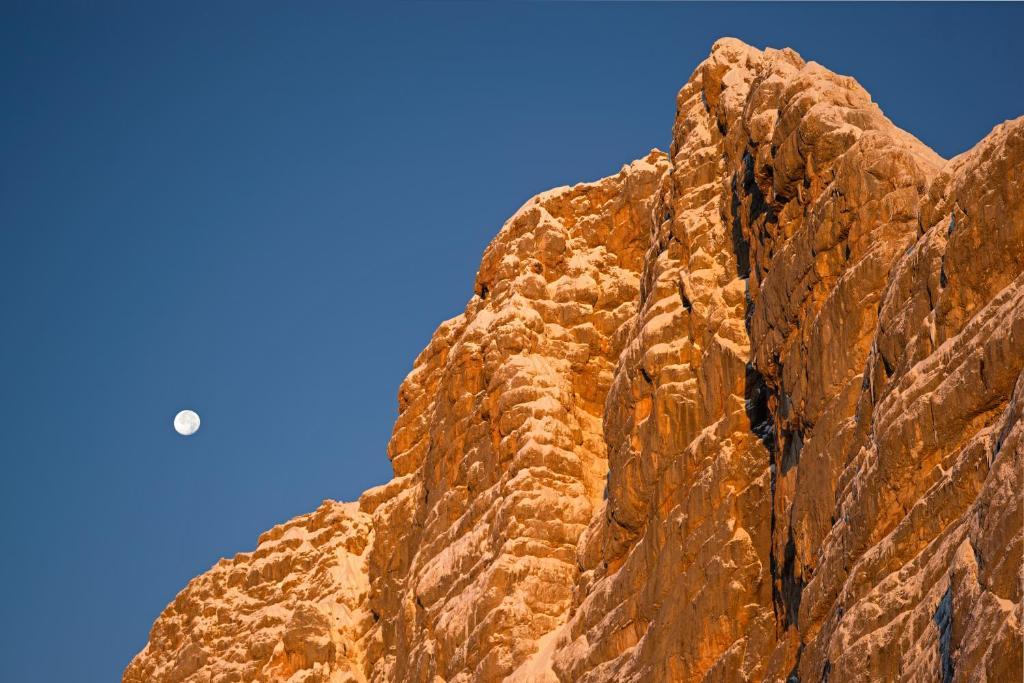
(186, 422)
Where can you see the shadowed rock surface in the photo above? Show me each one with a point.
(749, 411)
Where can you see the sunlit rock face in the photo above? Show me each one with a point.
(292, 610)
(750, 411)
(498, 451)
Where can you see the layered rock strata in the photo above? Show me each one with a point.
(748, 411)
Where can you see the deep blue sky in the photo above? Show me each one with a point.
(261, 211)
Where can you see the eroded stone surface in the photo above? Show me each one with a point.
(749, 411)
(292, 610)
(498, 448)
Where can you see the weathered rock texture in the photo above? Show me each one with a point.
(749, 411)
(292, 610)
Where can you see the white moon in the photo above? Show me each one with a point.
(186, 422)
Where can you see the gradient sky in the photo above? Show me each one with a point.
(262, 210)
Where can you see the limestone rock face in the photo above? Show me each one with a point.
(750, 411)
(498, 451)
(292, 610)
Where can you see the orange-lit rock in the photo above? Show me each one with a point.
(498, 451)
(748, 411)
(292, 610)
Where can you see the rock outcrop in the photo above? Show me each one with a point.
(292, 610)
(749, 411)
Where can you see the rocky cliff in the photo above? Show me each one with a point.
(749, 411)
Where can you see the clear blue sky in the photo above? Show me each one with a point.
(262, 210)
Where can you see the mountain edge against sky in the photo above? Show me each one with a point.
(751, 410)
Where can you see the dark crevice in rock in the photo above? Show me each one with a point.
(760, 215)
(752, 226)
(790, 588)
(682, 295)
(757, 394)
(826, 671)
(886, 364)
(768, 407)
(1000, 439)
(944, 622)
(758, 204)
(793, 443)
(759, 208)
(740, 245)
